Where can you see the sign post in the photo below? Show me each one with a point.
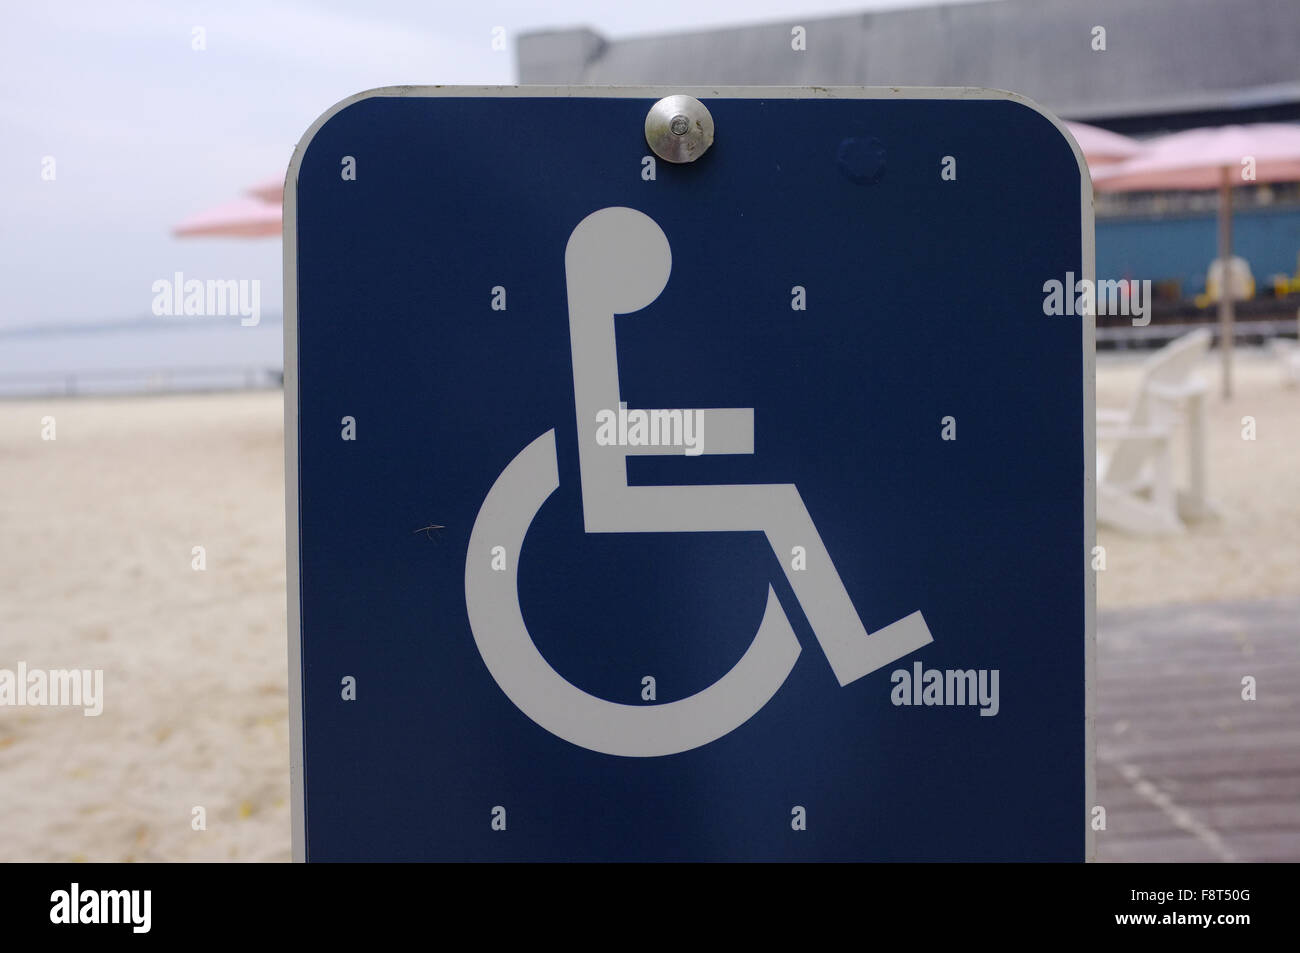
(688, 475)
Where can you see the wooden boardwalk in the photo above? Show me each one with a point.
(1186, 769)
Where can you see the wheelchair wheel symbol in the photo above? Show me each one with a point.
(617, 262)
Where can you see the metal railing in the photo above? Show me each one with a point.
(1154, 335)
(126, 381)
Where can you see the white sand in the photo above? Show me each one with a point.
(98, 528)
(99, 525)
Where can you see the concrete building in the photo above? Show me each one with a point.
(1166, 65)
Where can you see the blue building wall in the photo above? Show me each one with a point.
(1182, 246)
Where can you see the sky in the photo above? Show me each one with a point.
(145, 130)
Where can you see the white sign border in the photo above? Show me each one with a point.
(1087, 341)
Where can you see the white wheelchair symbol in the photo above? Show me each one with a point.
(617, 262)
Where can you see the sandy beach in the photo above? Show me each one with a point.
(100, 526)
(1253, 549)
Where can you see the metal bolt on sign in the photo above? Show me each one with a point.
(679, 128)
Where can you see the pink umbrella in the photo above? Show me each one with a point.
(269, 190)
(1101, 146)
(1217, 158)
(242, 218)
(1198, 159)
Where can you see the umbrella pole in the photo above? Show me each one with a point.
(1225, 280)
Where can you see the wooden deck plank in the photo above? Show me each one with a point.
(1187, 769)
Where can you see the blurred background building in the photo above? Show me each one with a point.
(1167, 65)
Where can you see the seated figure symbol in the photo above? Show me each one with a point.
(617, 262)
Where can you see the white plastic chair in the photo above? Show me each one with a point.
(1136, 489)
(1288, 355)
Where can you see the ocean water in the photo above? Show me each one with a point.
(144, 355)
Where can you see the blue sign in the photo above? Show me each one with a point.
(728, 509)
